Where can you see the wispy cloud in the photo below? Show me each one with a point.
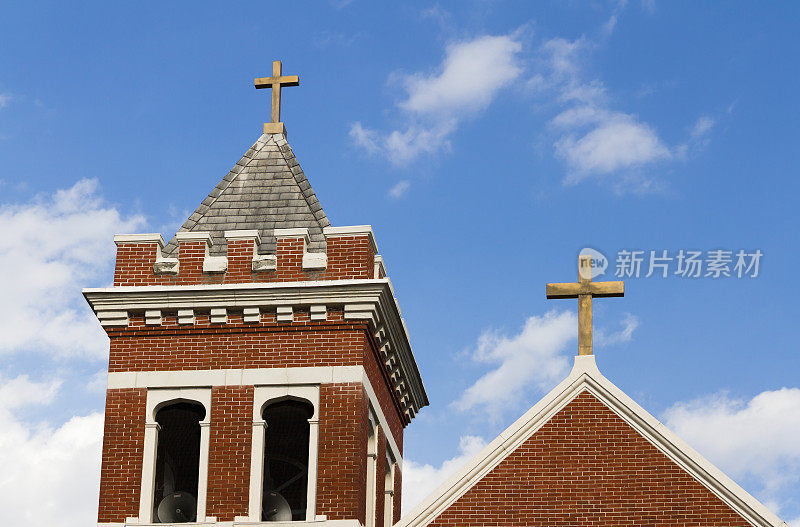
(400, 189)
(470, 76)
(753, 440)
(53, 246)
(419, 479)
(533, 357)
(603, 338)
(4, 99)
(593, 139)
(702, 127)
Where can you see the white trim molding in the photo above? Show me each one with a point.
(586, 377)
(157, 398)
(371, 299)
(154, 237)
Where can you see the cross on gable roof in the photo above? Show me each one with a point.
(265, 190)
(584, 380)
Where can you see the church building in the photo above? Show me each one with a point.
(260, 372)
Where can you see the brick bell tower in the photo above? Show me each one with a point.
(260, 370)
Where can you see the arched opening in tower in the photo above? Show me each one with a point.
(177, 462)
(286, 460)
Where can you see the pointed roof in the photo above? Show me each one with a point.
(585, 377)
(265, 190)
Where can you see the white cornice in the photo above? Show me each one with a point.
(248, 234)
(194, 236)
(297, 232)
(361, 299)
(586, 377)
(154, 237)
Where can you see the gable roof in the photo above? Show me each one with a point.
(586, 377)
(265, 190)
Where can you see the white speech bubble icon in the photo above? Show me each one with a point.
(595, 266)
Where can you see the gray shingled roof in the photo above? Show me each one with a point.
(266, 190)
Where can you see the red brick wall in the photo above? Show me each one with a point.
(588, 467)
(349, 257)
(123, 440)
(342, 452)
(229, 451)
(236, 345)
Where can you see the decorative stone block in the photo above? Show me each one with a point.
(251, 314)
(152, 317)
(285, 314)
(185, 316)
(264, 262)
(219, 315)
(319, 313)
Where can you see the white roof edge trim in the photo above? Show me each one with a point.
(585, 376)
(152, 237)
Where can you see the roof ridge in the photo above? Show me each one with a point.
(212, 196)
(302, 182)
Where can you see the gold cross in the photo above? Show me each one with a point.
(276, 82)
(584, 290)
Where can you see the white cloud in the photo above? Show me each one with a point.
(617, 143)
(419, 480)
(533, 357)
(399, 189)
(753, 440)
(4, 99)
(470, 76)
(50, 475)
(595, 140)
(52, 247)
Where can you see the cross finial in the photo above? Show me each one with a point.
(276, 82)
(584, 290)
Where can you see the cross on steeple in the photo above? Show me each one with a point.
(276, 82)
(584, 290)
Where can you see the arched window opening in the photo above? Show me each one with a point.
(177, 462)
(285, 487)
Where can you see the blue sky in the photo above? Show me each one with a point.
(486, 142)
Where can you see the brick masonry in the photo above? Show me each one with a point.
(123, 440)
(349, 257)
(229, 451)
(343, 426)
(586, 466)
